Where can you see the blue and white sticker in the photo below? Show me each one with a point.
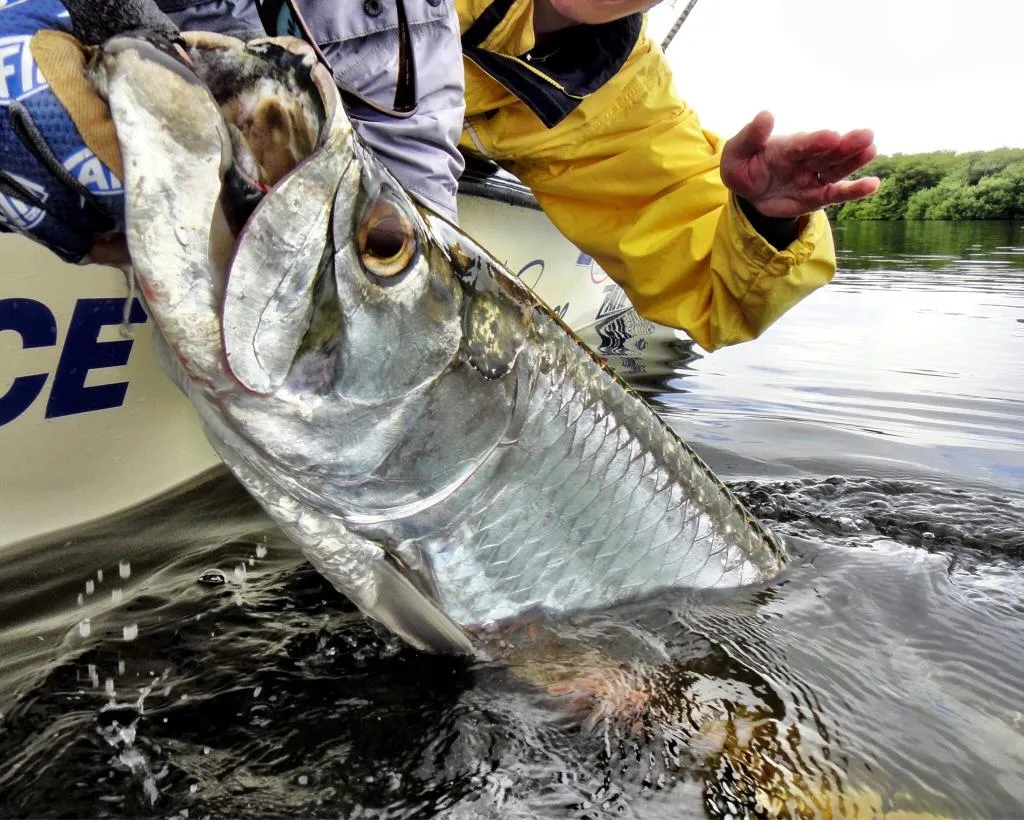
(19, 215)
(20, 76)
(92, 174)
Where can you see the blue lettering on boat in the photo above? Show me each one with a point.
(82, 352)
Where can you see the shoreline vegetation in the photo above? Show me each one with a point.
(942, 185)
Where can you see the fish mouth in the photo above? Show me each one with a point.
(275, 106)
(294, 149)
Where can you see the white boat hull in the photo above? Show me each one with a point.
(90, 426)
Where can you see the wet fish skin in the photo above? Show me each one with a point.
(441, 446)
(176, 150)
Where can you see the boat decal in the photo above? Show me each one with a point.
(81, 353)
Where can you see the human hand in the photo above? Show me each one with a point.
(60, 165)
(794, 175)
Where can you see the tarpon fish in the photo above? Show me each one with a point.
(440, 445)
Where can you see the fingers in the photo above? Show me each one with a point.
(753, 137)
(799, 173)
(844, 150)
(844, 167)
(829, 158)
(810, 148)
(839, 192)
(857, 140)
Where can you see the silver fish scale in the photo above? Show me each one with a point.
(444, 451)
(594, 502)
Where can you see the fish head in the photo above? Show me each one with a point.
(203, 137)
(311, 310)
(367, 304)
(267, 237)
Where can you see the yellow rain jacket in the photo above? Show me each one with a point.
(591, 122)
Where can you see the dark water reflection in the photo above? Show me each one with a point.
(878, 427)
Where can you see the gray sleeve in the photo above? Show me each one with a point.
(361, 42)
(232, 17)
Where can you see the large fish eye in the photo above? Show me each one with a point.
(386, 237)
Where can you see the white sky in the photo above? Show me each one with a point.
(925, 75)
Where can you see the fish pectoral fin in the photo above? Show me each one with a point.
(360, 570)
(408, 612)
(357, 567)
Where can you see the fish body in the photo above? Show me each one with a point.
(442, 447)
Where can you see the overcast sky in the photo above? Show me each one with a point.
(941, 74)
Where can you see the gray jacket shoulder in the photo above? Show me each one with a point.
(360, 38)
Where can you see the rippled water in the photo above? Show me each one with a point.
(879, 426)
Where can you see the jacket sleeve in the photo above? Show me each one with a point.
(633, 180)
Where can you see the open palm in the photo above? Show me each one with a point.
(794, 175)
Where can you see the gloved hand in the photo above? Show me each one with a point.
(60, 167)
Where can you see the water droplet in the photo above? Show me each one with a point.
(90, 587)
(81, 599)
(99, 575)
(130, 632)
(108, 685)
(115, 595)
(212, 578)
(256, 691)
(303, 780)
(124, 569)
(193, 788)
(261, 551)
(928, 536)
(120, 667)
(84, 627)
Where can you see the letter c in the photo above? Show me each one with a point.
(37, 327)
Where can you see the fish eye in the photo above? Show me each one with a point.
(386, 237)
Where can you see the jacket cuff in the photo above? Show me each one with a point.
(763, 255)
(778, 232)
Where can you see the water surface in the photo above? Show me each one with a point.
(878, 426)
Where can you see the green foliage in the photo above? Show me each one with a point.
(943, 185)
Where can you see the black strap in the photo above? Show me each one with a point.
(9, 186)
(32, 138)
(281, 17)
